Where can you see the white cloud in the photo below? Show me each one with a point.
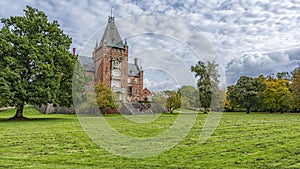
(255, 64)
(234, 28)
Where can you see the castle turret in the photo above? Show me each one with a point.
(111, 60)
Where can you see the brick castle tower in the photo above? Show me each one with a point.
(112, 68)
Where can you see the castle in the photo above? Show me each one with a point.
(109, 65)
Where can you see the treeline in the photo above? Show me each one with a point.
(206, 96)
(273, 93)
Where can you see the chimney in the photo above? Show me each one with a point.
(74, 51)
(136, 61)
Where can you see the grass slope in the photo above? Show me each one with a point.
(241, 141)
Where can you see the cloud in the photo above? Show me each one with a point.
(255, 64)
(236, 29)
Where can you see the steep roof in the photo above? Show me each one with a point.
(111, 35)
(133, 70)
(87, 63)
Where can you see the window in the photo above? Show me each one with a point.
(136, 91)
(129, 90)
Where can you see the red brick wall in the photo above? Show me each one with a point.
(102, 59)
(141, 85)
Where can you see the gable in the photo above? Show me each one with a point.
(133, 70)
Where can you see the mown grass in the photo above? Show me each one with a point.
(257, 140)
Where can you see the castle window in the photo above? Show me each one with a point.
(129, 90)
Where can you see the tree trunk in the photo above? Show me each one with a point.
(281, 111)
(248, 110)
(46, 107)
(205, 110)
(19, 112)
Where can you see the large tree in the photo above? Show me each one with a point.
(276, 95)
(207, 83)
(245, 93)
(36, 66)
(295, 87)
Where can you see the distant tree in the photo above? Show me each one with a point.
(284, 75)
(159, 100)
(173, 101)
(232, 98)
(295, 88)
(228, 106)
(81, 88)
(189, 97)
(36, 66)
(105, 98)
(246, 92)
(276, 95)
(207, 82)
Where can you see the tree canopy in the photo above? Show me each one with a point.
(36, 66)
(276, 95)
(245, 93)
(173, 101)
(105, 98)
(295, 88)
(207, 82)
(272, 93)
(189, 97)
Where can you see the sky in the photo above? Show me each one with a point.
(250, 37)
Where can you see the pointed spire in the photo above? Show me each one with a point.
(111, 17)
(97, 45)
(111, 34)
(125, 42)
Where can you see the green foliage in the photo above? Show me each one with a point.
(284, 75)
(272, 93)
(173, 101)
(82, 85)
(36, 66)
(276, 96)
(159, 99)
(207, 83)
(295, 88)
(189, 97)
(245, 93)
(5, 95)
(232, 99)
(105, 98)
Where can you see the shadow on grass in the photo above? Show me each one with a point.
(31, 119)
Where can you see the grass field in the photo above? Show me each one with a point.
(256, 140)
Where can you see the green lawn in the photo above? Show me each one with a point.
(256, 140)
